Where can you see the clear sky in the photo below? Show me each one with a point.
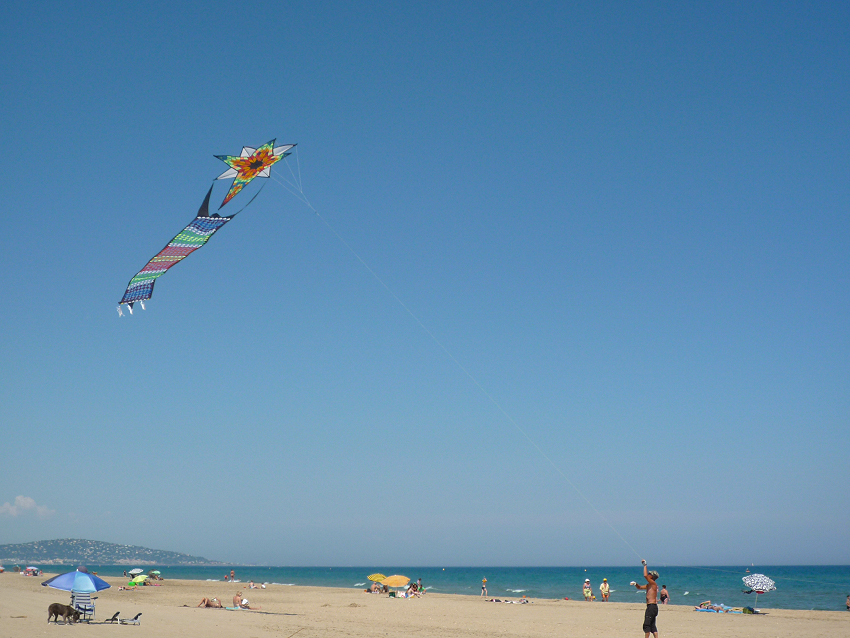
(627, 221)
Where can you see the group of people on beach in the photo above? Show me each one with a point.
(238, 603)
(413, 589)
(605, 592)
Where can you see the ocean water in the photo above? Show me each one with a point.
(798, 587)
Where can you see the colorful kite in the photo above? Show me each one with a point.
(188, 241)
(254, 162)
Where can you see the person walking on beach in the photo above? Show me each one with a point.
(605, 590)
(483, 586)
(651, 588)
(232, 576)
(664, 595)
(586, 590)
(848, 602)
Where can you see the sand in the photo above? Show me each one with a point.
(312, 612)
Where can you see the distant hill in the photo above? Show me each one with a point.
(68, 551)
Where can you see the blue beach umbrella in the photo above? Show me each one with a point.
(77, 581)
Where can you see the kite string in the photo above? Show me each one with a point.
(465, 371)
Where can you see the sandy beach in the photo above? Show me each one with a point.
(170, 611)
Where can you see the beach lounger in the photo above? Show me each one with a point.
(83, 603)
(114, 619)
(131, 621)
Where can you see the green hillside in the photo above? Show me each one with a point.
(67, 551)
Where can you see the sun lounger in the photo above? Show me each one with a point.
(131, 621)
(114, 619)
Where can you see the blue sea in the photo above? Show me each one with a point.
(797, 587)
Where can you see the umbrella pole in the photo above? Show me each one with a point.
(757, 600)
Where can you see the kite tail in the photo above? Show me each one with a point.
(120, 314)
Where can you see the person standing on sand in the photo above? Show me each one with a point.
(651, 588)
(232, 575)
(605, 590)
(586, 590)
(664, 594)
(848, 602)
(483, 586)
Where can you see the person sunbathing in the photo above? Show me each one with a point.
(210, 602)
(242, 603)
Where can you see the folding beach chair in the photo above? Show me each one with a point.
(83, 603)
(114, 619)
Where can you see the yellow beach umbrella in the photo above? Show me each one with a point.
(376, 578)
(395, 581)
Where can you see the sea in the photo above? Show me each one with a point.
(797, 587)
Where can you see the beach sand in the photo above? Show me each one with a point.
(314, 612)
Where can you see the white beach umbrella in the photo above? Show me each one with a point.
(758, 583)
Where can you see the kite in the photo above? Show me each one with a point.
(254, 162)
(195, 235)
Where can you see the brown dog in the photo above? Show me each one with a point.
(66, 611)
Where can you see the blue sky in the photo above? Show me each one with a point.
(628, 223)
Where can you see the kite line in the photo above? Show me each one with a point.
(295, 187)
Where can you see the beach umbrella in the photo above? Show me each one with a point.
(395, 581)
(758, 583)
(133, 572)
(138, 580)
(77, 581)
(155, 571)
(376, 578)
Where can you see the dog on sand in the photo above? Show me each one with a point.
(66, 611)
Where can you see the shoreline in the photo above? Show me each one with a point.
(170, 611)
(797, 589)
